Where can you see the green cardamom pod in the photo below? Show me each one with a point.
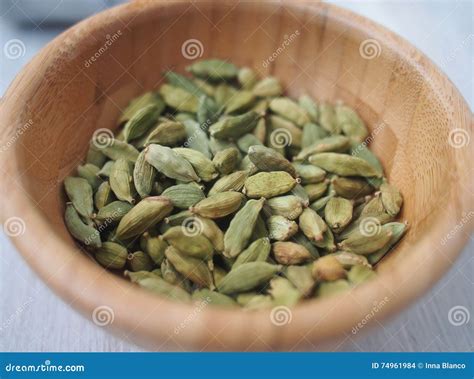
(194, 269)
(218, 205)
(233, 127)
(309, 173)
(288, 206)
(183, 82)
(391, 199)
(167, 133)
(170, 163)
(247, 277)
(144, 215)
(247, 78)
(258, 251)
(139, 261)
(312, 225)
(112, 255)
(366, 240)
(161, 287)
(154, 246)
(179, 99)
(344, 165)
(351, 124)
(213, 69)
(266, 159)
(149, 98)
(338, 213)
(268, 87)
(231, 182)
(207, 296)
(121, 180)
(334, 144)
(239, 102)
(79, 193)
(290, 110)
(225, 161)
(189, 241)
(184, 195)
(311, 108)
(143, 176)
(241, 227)
(316, 190)
(141, 122)
(91, 174)
(301, 278)
(327, 118)
(113, 212)
(280, 228)
(269, 184)
(103, 196)
(284, 292)
(202, 165)
(79, 230)
(116, 149)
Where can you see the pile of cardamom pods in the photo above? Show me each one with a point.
(218, 188)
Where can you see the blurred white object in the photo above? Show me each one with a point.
(53, 11)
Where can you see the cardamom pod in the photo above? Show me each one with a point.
(112, 255)
(79, 230)
(79, 192)
(121, 180)
(189, 242)
(290, 253)
(328, 268)
(184, 195)
(269, 184)
(194, 269)
(290, 110)
(241, 227)
(280, 228)
(144, 215)
(247, 277)
(202, 165)
(343, 165)
(312, 225)
(213, 69)
(218, 205)
(338, 213)
(170, 163)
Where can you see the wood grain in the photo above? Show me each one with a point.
(411, 107)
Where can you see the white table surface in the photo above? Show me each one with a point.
(32, 318)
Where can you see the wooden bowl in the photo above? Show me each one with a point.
(80, 81)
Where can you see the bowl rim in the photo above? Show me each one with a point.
(314, 321)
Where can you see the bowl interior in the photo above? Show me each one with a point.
(317, 49)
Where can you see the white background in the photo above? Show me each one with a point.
(32, 318)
